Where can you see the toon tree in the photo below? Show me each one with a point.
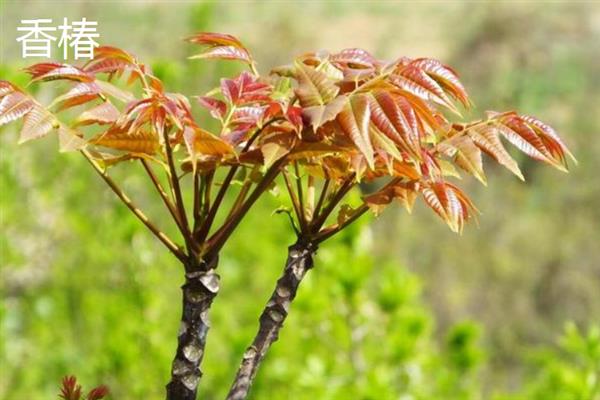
(318, 127)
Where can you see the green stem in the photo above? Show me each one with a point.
(177, 252)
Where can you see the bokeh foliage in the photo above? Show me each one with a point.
(389, 311)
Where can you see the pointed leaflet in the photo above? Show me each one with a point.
(532, 139)
(112, 60)
(84, 92)
(111, 90)
(244, 89)
(53, 71)
(98, 393)
(425, 113)
(354, 58)
(140, 141)
(466, 155)
(354, 121)
(70, 390)
(315, 88)
(449, 202)
(383, 143)
(486, 138)
(403, 192)
(37, 123)
(445, 76)
(220, 45)
(523, 137)
(102, 114)
(14, 104)
(391, 120)
(406, 194)
(224, 53)
(247, 115)
(216, 107)
(417, 82)
(272, 152)
(548, 133)
(79, 94)
(202, 143)
(317, 116)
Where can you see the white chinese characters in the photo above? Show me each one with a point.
(79, 36)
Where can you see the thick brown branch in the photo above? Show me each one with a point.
(200, 288)
(299, 261)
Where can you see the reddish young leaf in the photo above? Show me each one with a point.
(79, 94)
(533, 138)
(417, 82)
(445, 76)
(449, 202)
(317, 116)
(546, 132)
(216, 107)
(221, 46)
(111, 60)
(245, 89)
(70, 390)
(466, 155)
(354, 58)
(98, 393)
(389, 115)
(248, 115)
(53, 71)
(14, 104)
(486, 138)
(315, 88)
(140, 141)
(404, 193)
(201, 143)
(102, 114)
(354, 121)
(37, 123)
(523, 137)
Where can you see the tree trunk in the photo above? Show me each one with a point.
(299, 261)
(200, 288)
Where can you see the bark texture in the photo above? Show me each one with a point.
(299, 261)
(200, 288)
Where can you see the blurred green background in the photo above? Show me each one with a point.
(396, 308)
